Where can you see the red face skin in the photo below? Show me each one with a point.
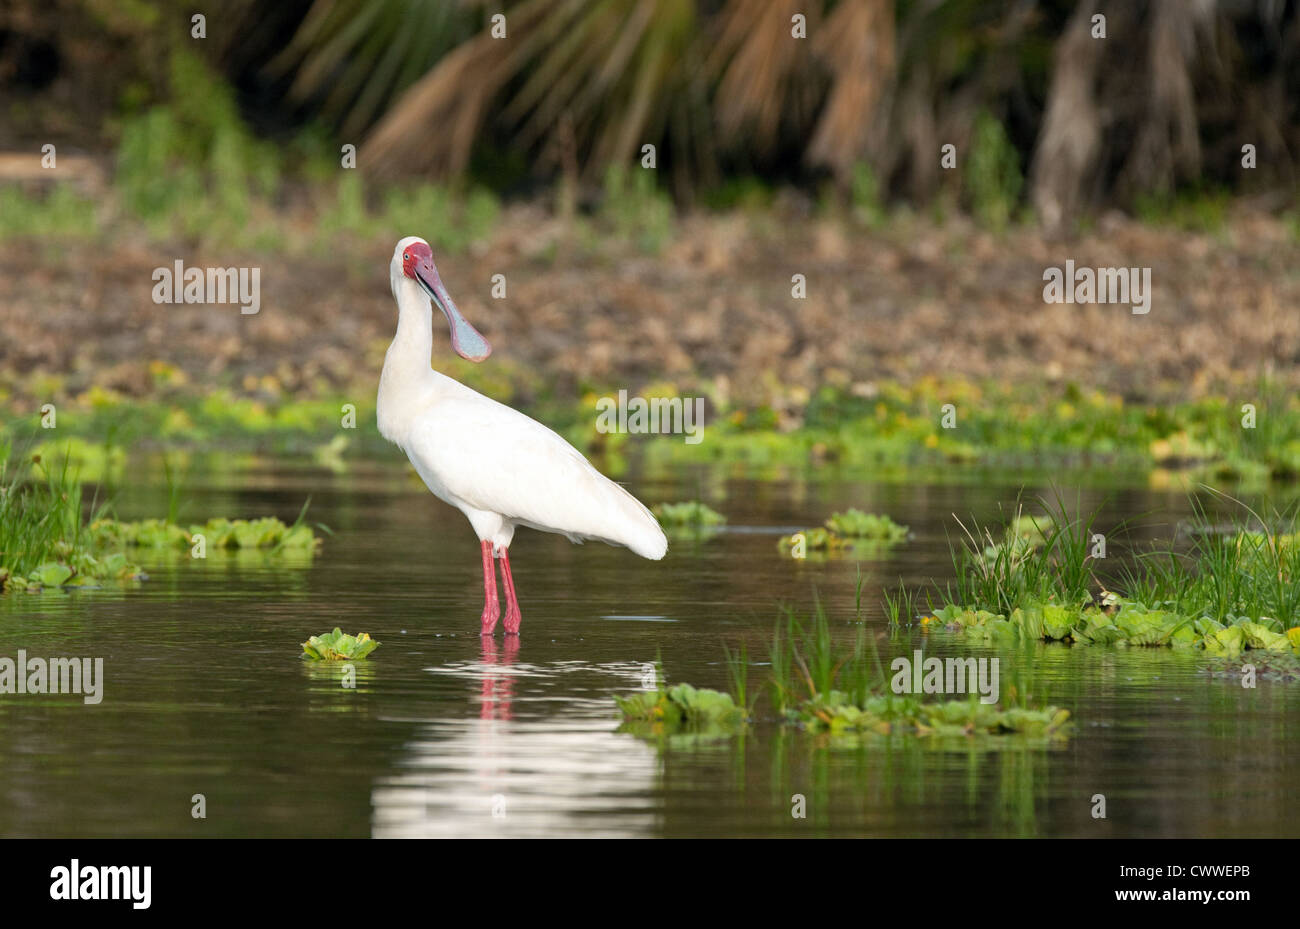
(418, 255)
(417, 264)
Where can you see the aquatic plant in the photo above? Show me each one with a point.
(1232, 590)
(856, 524)
(851, 529)
(1125, 623)
(900, 607)
(816, 539)
(682, 704)
(822, 685)
(338, 646)
(220, 534)
(88, 461)
(43, 537)
(807, 663)
(49, 538)
(738, 674)
(79, 569)
(691, 514)
(1044, 558)
(887, 714)
(826, 686)
(1004, 425)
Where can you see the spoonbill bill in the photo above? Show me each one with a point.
(494, 464)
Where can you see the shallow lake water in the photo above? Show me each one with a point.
(445, 734)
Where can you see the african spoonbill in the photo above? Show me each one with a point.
(496, 465)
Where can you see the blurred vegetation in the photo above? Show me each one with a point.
(1041, 114)
(993, 178)
(190, 165)
(821, 684)
(240, 141)
(54, 533)
(1233, 589)
(1030, 428)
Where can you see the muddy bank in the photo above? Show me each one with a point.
(715, 305)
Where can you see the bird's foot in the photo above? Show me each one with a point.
(488, 621)
(513, 619)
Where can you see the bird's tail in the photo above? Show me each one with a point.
(640, 531)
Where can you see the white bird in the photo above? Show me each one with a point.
(496, 465)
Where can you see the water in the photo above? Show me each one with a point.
(445, 735)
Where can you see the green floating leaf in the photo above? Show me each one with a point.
(816, 539)
(338, 646)
(1131, 623)
(1260, 636)
(681, 704)
(691, 514)
(267, 533)
(856, 524)
(849, 530)
(898, 714)
(50, 575)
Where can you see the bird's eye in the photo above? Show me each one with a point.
(406, 257)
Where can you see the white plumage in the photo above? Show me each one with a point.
(496, 465)
(502, 469)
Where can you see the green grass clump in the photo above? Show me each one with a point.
(190, 166)
(49, 538)
(452, 222)
(1040, 559)
(636, 209)
(865, 196)
(992, 178)
(338, 646)
(62, 214)
(821, 685)
(1202, 210)
(1229, 592)
(44, 542)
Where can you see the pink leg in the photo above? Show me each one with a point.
(491, 607)
(513, 616)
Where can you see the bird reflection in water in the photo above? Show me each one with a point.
(498, 687)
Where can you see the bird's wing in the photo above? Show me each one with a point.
(498, 460)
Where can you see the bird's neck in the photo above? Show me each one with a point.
(408, 378)
(413, 342)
